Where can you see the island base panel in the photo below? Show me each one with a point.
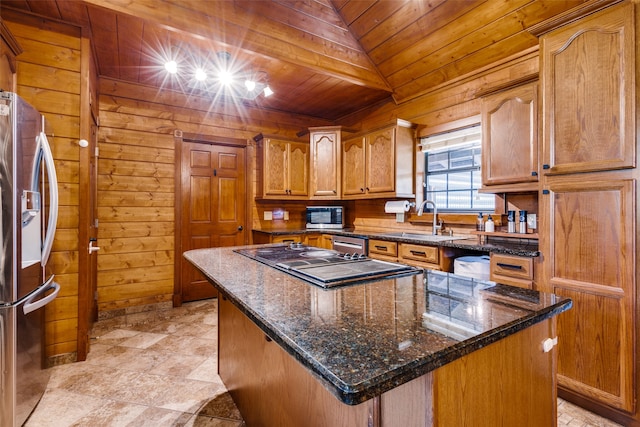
(510, 382)
(269, 387)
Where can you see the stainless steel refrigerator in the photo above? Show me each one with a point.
(29, 211)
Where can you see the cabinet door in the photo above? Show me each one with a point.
(276, 158)
(588, 240)
(353, 167)
(380, 149)
(510, 136)
(325, 157)
(588, 79)
(298, 167)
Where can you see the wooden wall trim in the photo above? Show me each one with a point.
(10, 40)
(177, 234)
(84, 294)
(211, 139)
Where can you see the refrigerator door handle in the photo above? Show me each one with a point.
(31, 305)
(53, 198)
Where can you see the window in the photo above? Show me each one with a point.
(452, 171)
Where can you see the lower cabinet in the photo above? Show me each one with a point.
(430, 257)
(512, 270)
(311, 239)
(383, 250)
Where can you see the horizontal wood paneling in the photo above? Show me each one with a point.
(115, 260)
(136, 245)
(65, 333)
(136, 229)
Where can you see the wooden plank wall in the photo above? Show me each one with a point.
(48, 77)
(136, 181)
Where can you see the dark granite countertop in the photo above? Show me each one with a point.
(512, 246)
(368, 338)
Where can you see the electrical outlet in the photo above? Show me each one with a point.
(286, 215)
(268, 215)
(532, 221)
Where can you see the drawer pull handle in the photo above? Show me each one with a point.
(381, 248)
(418, 253)
(511, 266)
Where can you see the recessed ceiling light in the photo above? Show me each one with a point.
(201, 75)
(225, 77)
(250, 85)
(267, 91)
(171, 67)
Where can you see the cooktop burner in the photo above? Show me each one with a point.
(325, 267)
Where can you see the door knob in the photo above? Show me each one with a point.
(240, 228)
(92, 248)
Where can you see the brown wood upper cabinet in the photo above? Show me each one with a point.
(588, 221)
(379, 164)
(325, 176)
(589, 93)
(284, 170)
(510, 138)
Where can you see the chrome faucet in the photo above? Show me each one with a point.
(436, 227)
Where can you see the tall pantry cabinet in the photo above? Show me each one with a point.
(588, 213)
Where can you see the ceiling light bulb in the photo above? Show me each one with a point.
(267, 91)
(171, 67)
(201, 75)
(250, 85)
(225, 78)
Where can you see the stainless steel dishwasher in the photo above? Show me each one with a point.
(350, 245)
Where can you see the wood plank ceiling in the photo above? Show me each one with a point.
(323, 58)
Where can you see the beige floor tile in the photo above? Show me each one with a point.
(178, 365)
(62, 408)
(143, 340)
(188, 395)
(206, 371)
(186, 345)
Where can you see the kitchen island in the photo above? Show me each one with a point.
(423, 349)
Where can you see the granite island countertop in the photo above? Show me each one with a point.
(364, 339)
(520, 246)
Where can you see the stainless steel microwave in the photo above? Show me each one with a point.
(325, 217)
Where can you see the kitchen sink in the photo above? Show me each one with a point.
(423, 236)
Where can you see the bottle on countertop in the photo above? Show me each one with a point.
(489, 226)
(511, 221)
(480, 222)
(523, 222)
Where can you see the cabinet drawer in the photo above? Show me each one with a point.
(511, 266)
(429, 254)
(382, 247)
(293, 238)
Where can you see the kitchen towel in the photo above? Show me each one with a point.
(397, 206)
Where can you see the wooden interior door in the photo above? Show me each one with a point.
(212, 208)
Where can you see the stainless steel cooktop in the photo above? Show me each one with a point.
(325, 267)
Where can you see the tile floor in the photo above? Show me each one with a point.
(162, 372)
